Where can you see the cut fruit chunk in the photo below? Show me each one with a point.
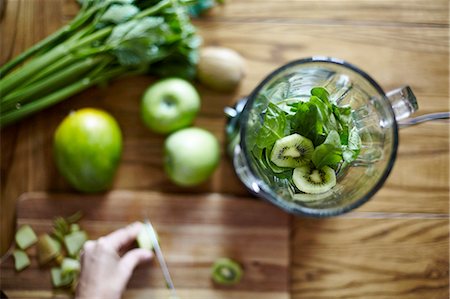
(143, 239)
(47, 249)
(308, 179)
(21, 260)
(25, 237)
(74, 242)
(60, 280)
(69, 265)
(292, 151)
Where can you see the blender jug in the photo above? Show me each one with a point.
(376, 116)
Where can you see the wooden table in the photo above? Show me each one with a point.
(396, 246)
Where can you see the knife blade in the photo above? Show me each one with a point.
(159, 255)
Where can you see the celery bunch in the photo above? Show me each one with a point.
(107, 39)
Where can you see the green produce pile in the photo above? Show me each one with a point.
(60, 248)
(307, 141)
(107, 39)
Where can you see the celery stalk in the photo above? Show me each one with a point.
(48, 84)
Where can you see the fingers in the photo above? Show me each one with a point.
(122, 237)
(132, 258)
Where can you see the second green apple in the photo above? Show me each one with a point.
(169, 105)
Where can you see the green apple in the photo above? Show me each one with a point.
(169, 105)
(87, 149)
(191, 156)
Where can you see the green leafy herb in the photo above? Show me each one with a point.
(327, 155)
(308, 122)
(274, 127)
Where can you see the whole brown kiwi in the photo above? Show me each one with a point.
(220, 69)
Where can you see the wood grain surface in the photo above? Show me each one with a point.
(193, 231)
(395, 246)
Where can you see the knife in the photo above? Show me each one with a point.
(162, 263)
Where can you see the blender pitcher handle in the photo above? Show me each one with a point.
(404, 103)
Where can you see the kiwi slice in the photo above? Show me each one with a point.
(292, 151)
(226, 271)
(311, 180)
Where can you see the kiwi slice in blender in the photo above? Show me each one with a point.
(292, 151)
(311, 180)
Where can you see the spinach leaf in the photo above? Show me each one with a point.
(353, 149)
(343, 116)
(307, 122)
(322, 94)
(333, 138)
(327, 155)
(273, 128)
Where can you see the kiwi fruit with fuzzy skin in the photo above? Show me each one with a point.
(292, 151)
(311, 180)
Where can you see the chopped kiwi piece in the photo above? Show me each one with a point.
(74, 242)
(292, 151)
(21, 260)
(69, 265)
(226, 271)
(47, 249)
(60, 280)
(25, 237)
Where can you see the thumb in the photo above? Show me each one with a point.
(131, 259)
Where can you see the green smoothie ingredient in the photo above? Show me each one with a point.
(74, 242)
(190, 156)
(66, 239)
(220, 68)
(59, 279)
(21, 260)
(105, 40)
(169, 105)
(70, 265)
(87, 149)
(226, 271)
(307, 141)
(25, 237)
(47, 249)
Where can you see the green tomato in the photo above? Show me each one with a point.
(191, 156)
(87, 149)
(169, 105)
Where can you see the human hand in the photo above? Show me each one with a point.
(104, 273)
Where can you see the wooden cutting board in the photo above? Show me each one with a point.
(194, 231)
